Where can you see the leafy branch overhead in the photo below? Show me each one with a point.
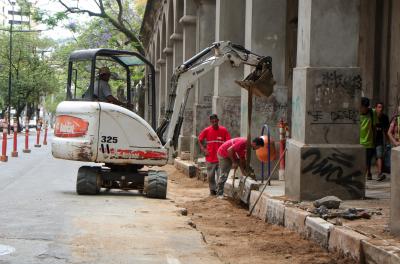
(124, 16)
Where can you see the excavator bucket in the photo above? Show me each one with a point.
(260, 80)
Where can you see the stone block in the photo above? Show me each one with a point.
(295, 220)
(228, 187)
(347, 242)
(275, 212)
(317, 229)
(186, 167)
(260, 210)
(245, 187)
(315, 171)
(380, 252)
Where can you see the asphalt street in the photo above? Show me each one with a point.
(43, 220)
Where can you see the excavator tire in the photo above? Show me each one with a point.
(88, 180)
(156, 184)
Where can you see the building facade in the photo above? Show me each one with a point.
(326, 54)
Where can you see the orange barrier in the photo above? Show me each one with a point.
(4, 157)
(26, 149)
(14, 153)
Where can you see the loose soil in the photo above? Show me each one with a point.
(237, 238)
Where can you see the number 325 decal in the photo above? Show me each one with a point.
(109, 139)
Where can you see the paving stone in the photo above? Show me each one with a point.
(380, 252)
(318, 230)
(260, 210)
(275, 212)
(186, 167)
(295, 220)
(346, 241)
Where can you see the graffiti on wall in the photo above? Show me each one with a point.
(333, 88)
(341, 116)
(336, 98)
(336, 167)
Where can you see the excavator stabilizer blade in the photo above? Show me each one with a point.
(261, 81)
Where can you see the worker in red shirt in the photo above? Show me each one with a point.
(214, 135)
(232, 154)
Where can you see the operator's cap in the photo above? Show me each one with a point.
(104, 70)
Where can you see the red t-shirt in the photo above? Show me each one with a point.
(239, 148)
(215, 138)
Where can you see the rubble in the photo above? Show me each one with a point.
(330, 202)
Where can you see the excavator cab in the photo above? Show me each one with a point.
(127, 69)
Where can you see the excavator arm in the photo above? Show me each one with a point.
(260, 80)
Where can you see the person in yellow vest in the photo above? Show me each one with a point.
(367, 132)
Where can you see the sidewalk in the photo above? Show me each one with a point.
(365, 240)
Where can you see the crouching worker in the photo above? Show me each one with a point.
(232, 154)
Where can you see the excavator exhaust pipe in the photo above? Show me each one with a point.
(260, 80)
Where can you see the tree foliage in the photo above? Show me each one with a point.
(123, 16)
(33, 77)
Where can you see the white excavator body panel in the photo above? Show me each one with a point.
(105, 133)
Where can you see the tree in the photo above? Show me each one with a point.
(124, 16)
(32, 76)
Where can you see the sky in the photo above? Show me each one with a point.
(52, 6)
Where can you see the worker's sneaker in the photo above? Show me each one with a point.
(369, 176)
(213, 193)
(221, 197)
(381, 177)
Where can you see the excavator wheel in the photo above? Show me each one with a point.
(156, 184)
(88, 180)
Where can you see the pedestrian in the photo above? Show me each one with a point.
(214, 135)
(232, 154)
(381, 129)
(367, 132)
(394, 133)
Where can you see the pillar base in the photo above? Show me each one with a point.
(4, 158)
(183, 144)
(394, 222)
(14, 154)
(37, 145)
(317, 170)
(281, 175)
(26, 150)
(194, 148)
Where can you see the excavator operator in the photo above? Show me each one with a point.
(102, 90)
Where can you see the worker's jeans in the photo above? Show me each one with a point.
(225, 165)
(212, 175)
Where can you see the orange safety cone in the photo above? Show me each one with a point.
(38, 128)
(4, 157)
(14, 153)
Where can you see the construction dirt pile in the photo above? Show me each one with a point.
(237, 238)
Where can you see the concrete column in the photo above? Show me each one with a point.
(204, 89)
(324, 157)
(265, 34)
(161, 88)
(395, 192)
(188, 22)
(230, 25)
(394, 95)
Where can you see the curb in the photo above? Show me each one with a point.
(186, 167)
(343, 240)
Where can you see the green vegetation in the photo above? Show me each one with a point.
(39, 65)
